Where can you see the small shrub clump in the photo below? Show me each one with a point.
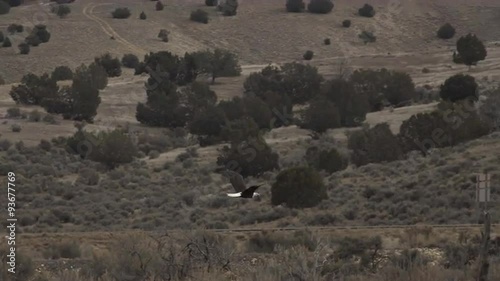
(299, 187)
(367, 11)
(320, 6)
(446, 31)
(308, 55)
(346, 23)
(121, 13)
(130, 61)
(199, 16)
(295, 6)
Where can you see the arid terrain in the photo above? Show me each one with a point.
(171, 192)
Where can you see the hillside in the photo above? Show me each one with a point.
(173, 183)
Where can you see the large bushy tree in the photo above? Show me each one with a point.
(459, 87)
(384, 86)
(33, 89)
(320, 6)
(374, 145)
(298, 187)
(470, 50)
(352, 105)
(112, 65)
(219, 63)
(320, 116)
(251, 157)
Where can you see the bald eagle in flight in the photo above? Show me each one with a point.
(239, 186)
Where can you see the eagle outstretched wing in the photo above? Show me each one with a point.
(236, 180)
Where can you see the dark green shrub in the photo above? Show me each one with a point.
(4, 8)
(6, 43)
(13, 28)
(308, 55)
(24, 48)
(41, 32)
(13, 112)
(295, 6)
(327, 41)
(159, 6)
(352, 105)
(366, 11)
(298, 187)
(346, 23)
(2, 37)
(45, 145)
(130, 61)
(35, 116)
(61, 10)
(250, 158)
(470, 50)
(142, 16)
(367, 37)
(446, 31)
(121, 13)
(320, 116)
(61, 73)
(163, 35)
(199, 16)
(330, 161)
(228, 7)
(111, 65)
(16, 128)
(99, 76)
(320, 6)
(374, 145)
(459, 87)
(33, 40)
(210, 3)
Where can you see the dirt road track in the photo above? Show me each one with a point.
(280, 229)
(88, 12)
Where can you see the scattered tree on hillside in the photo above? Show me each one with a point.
(397, 88)
(33, 89)
(142, 16)
(330, 160)
(352, 105)
(490, 110)
(130, 61)
(308, 55)
(367, 11)
(446, 31)
(228, 7)
(199, 16)
(298, 187)
(163, 107)
(159, 6)
(207, 124)
(121, 13)
(78, 102)
(2, 37)
(295, 6)
(459, 87)
(442, 128)
(346, 23)
(367, 37)
(62, 73)
(240, 130)
(41, 32)
(374, 145)
(163, 35)
(219, 63)
(6, 43)
(470, 50)
(4, 8)
(300, 82)
(320, 116)
(320, 6)
(112, 65)
(13, 28)
(111, 148)
(179, 70)
(248, 106)
(61, 10)
(250, 158)
(99, 76)
(198, 96)
(211, 3)
(32, 40)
